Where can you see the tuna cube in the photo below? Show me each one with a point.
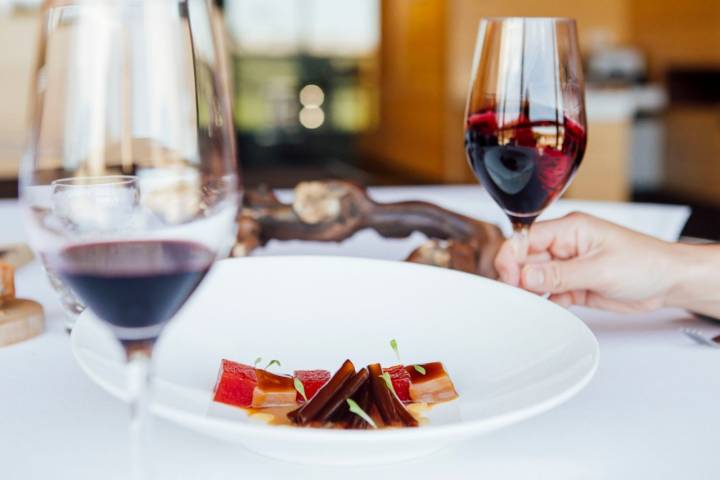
(400, 381)
(312, 381)
(235, 384)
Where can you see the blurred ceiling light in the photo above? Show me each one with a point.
(311, 96)
(312, 117)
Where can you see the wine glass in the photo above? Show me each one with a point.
(129, 186)
(525, 128)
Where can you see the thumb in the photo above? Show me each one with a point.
(557, 276)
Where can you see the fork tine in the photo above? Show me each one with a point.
(698, 337)
(694, 335)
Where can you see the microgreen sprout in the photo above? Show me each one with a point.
(300, 388)
(271, 363)
(388, 382)
(394, 346)
(355, 408)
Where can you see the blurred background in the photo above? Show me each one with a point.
(374, 90)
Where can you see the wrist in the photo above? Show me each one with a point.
(694, 278)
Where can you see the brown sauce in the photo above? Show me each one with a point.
(269, 382)
(270, 416)
(433, 370)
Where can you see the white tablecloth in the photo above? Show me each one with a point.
(650, 412)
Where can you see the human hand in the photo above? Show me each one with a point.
(582, 260)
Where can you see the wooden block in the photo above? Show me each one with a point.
(16, 255)
(20, 320)
(7, 283)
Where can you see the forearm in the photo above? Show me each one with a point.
(695, 271)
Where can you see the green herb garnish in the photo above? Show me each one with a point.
(271, 363)
(257, 362)
(388, 382)
(419, 369)
(394, 346)
(300, 388)
(355, 408)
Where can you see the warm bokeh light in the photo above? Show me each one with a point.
(312, 117)
(311, 96)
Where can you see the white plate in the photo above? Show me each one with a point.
(512, 355)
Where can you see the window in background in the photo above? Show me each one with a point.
(305, 74)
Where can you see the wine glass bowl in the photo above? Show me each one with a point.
(525, 127)
(131, 136)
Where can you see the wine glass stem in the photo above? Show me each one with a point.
(140, 420)
(521, 241)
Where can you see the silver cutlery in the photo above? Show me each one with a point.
(701, 338)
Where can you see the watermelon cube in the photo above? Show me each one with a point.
(400, 381)
(312, 380)
(235, 384)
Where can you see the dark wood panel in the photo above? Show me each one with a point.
(8, 188)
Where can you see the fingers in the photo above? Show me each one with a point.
(506, 264)
(593, 300)
(558, 276)
(562, 299)
(567, 299)
(565, 237)
(508, 267)
(540, 257)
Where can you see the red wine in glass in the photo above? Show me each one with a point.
(525, 128)
(524, 163)
(135, 286)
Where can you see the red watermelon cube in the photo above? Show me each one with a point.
(312, 380)
(235, 384)
(400, 381)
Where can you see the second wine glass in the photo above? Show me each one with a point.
(525, 127)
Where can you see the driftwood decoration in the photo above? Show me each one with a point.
(332, 211)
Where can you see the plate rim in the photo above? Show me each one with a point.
(460, 429)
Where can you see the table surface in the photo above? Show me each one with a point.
(649, 412)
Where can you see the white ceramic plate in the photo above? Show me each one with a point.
(512, 355)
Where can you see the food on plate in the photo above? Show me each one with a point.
(311, 381)
(430, 383)
(273, 390)
(371, 397)
(400, 381)
(235, 384)
(312, 408)
(331, 399)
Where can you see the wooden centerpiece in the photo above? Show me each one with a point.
(334, 210)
